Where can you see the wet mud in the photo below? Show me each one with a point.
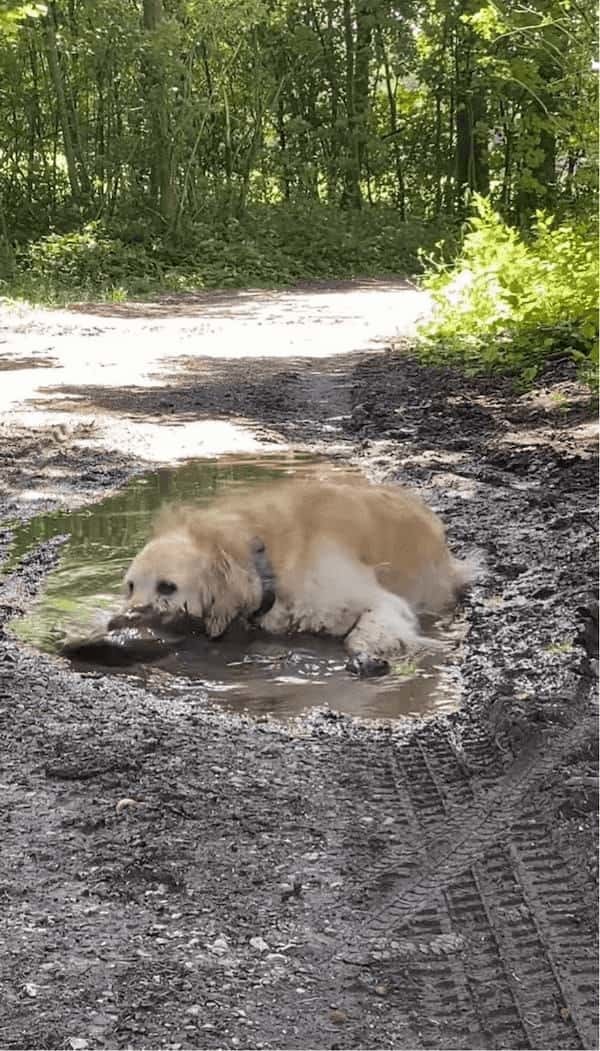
(174, 875)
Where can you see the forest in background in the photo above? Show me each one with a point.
(185, 143)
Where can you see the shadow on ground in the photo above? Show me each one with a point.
(302, 398)
(305, 399)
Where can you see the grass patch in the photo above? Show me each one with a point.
(406, 669)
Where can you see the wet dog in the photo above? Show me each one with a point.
(356, 561)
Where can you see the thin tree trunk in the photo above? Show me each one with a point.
(571, 169)
(100, 143)
(282, 140)
(364, 33)
(450, 190)
(543, 195)
(463, 123)
(480, 169)
(472, 168)
(351, 196)
(334, 172)
(161, 178)
(212, 124)
(61, 103)
(505, 194)
(228, 152)
(394, 131)
(437, 153)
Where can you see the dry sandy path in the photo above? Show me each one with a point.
(137, 345)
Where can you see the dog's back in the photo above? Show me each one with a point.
(385, 527)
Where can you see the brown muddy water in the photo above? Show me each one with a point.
(257, 673)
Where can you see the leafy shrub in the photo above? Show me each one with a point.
(270, 246)
(509, 304)
(64, 266)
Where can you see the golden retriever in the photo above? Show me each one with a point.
(352, 560)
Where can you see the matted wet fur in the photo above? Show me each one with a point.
(352, 560)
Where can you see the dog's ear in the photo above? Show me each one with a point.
(229, 590)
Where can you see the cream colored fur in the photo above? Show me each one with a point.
(355, 560)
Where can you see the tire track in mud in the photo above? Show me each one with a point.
(475, 920)
(551, 891)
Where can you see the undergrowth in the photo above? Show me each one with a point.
(269, 247)
(509, 302)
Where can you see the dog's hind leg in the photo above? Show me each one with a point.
(387, 628)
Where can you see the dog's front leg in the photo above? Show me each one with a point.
(387, 628)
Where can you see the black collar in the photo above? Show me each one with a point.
(262, 564)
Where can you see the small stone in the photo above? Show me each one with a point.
(338, 1017)
(259, 944)
(99, 1020)
(220, 946)
(194, 1010)
(293, 891)
(31, 988)
(125, 804)
(381, 990)
(77, 1043)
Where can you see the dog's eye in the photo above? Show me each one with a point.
(166, 587)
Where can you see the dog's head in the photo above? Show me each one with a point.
(182, 583)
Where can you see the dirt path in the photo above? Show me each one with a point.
(175, 878)
(114, 366)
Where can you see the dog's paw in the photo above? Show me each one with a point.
(367, 667)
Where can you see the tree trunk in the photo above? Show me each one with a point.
(400, 194)
(61, 103)
(481, 167)
(161, 174)
(472, 168)
(351, 195)
(507, 165)
(364, 32)
(541, 193)
(282, 139)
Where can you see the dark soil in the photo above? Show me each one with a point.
(172, 877)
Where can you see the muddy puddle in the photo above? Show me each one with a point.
(253, 672)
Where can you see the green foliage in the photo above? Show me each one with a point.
(81, 262)
(12, 15)
(509, 303)
(169, 110)
(203, 143)
(269, 246)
